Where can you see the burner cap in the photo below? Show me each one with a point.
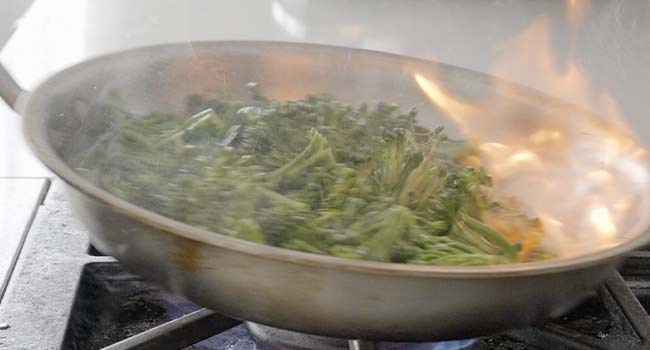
(279, 339)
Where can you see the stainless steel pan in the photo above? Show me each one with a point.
(287, 289)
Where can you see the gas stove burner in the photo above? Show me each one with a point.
(274, 338)
(278, 339)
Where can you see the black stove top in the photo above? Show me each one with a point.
(112, 305)
(68, 296)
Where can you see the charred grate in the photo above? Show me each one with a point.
(115, 310)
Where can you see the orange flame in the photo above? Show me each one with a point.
(576, 10)
(585, 177)
(530, 58)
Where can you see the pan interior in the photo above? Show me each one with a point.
(163, 78)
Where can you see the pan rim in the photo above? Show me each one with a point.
(35, 138)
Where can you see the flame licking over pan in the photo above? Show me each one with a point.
(584, 175)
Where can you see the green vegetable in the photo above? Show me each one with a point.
(314, 175)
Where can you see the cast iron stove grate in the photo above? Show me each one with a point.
(115, 310)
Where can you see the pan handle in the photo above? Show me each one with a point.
(9, 89)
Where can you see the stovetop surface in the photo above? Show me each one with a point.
(112, 304)
(64, 295)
